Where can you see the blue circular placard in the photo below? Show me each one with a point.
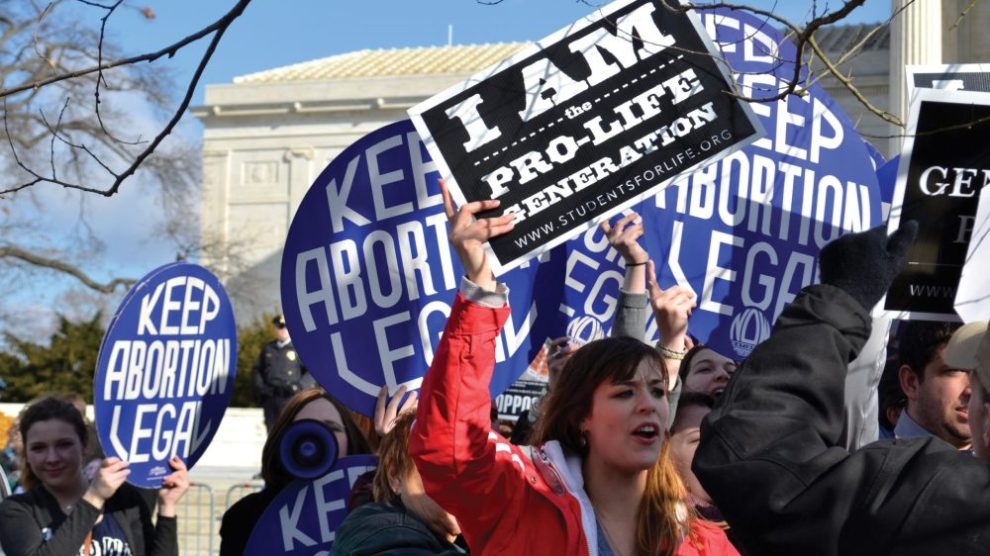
(302, 518)
(368, 276)
(165, 371)
(744, 233)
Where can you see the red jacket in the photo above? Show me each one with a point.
(507, 499)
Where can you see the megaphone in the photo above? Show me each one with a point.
(308, 449)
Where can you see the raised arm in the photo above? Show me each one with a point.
(770, 453)
(633, 305)
(461, 460)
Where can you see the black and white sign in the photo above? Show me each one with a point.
(945, 164)
(585, 122)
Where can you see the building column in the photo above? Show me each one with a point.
(915, 38)
(300, 161)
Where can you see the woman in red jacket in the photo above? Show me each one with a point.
(600, 480)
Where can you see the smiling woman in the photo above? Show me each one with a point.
(63, 512)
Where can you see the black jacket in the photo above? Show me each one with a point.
(387, 529)
(279, 372)
(769, 454)
(239, 520)
(23, 517)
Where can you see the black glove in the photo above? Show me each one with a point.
(865, 264)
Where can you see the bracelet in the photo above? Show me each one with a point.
(669, 353)
(636, 264)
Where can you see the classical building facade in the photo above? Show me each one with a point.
(269, 134)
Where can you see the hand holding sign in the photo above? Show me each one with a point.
(111, 474)
(174, 486)
(385, 414)
(469, 234)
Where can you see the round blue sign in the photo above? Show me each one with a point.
(368, 276)
(301, 519)
(744, 233)
(165, 371)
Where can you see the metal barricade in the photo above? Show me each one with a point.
(195, 515)
(240, 490)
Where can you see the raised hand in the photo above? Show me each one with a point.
(469, 234)
(385, 414)
(111, 474)
(174, 485)
(865, 264)
(671, 309)
(624, 236)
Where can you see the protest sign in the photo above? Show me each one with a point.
(887, 181)
(584, 123)
(527, 389)
(302, 519)
(165, 371)
(944, 164)
(953, 77)
(368, 275)
(744, 233)
(972, 302)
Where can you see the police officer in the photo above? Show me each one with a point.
(279, 373)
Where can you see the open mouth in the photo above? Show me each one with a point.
(648, 432)
(718, 391)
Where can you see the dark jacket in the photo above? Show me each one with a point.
(239, 520)
(387, 529)
(279, 371)
(23, 517)
(770, 455)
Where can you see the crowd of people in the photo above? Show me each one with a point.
(635, 449)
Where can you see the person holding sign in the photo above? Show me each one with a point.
(63, 513)
(600, 479)
(312, 403)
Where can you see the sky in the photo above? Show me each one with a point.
(274, 33)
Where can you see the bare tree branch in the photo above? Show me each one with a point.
(11, 252)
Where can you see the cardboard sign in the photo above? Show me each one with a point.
(302, 519)
(368, 275)
(585, 123)
(945, 164)
(744, 233)
(165, 371)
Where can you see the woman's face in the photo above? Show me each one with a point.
(709, 373)
(625, 429)
(684, 437)
(325, 412)
(54, 451)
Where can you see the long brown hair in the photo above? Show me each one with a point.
(393, 458)
(272, 470)
(664, 514)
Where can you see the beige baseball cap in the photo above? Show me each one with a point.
(969, 348)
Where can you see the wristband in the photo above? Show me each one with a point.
(636, 264)
(669, 353)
